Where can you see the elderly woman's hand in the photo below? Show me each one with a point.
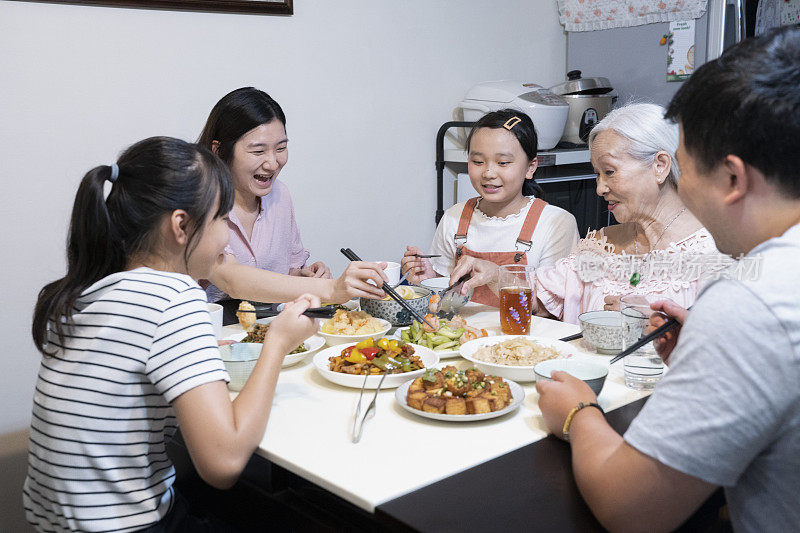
(611, 303)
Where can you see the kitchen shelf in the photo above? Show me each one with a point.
(556, 166)
(547, 158)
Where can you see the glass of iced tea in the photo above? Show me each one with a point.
(517, 298)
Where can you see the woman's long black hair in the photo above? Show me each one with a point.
(523, 130)
(234, 115)
(156, 177)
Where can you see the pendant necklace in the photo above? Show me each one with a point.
(636, 278)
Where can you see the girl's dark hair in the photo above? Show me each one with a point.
(156, 177)
(234, 115)
(523, 130)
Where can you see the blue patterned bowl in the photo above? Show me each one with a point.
(393, 312)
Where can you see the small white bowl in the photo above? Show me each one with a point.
(592, 373)
(322, 362)
(512, 372)
(437, 285)
(240, 357)
(333, 339)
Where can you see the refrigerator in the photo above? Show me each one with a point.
(635, 62)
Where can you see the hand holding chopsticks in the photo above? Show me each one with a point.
(351, 255)
(312, 312)
(656, 333)
(679, 317)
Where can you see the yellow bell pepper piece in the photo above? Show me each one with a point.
(366, 343)
(393, 345)
(383, 343)
(355, 357)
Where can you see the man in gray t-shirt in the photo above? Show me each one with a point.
(728, 411)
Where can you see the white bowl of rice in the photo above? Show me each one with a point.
(352, 327)
(513, 356)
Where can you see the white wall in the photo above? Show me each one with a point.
(364, 83)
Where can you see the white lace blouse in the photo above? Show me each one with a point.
(581, 281)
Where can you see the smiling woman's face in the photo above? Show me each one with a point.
(628, 185)
(258, 157)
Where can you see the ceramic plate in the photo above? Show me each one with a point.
(516, 391)
(517, 373)
(314, 343)
(446, 354)
(443, 354)
(334, 340)
(322, 362)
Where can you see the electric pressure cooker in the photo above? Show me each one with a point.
(589, 101)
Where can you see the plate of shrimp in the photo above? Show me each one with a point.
(444, 338)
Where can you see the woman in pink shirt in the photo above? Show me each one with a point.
(247, 130)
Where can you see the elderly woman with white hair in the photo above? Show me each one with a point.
(658, 248)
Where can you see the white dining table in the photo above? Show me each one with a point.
(309, 430)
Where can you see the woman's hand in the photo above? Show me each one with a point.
(291, 327)
(417, 268)
(316, 270)
(611, 303)
(558, 397)
(666, 343)
(481, 271)
(355, 282)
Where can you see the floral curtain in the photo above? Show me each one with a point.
(588, 15)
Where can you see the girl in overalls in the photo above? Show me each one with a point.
(508, 223)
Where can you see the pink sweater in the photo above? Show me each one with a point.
(581, 281)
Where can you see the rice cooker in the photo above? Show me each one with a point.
(547, 110)
(589, 102)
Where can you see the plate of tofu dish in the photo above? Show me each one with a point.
(459, 395)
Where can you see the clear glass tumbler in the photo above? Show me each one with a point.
(517, 298)
(643, 368)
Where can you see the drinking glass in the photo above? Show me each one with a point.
(517, 298)
(643, 368)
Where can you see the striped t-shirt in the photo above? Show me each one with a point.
(101, 408)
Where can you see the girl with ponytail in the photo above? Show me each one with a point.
(129, 352)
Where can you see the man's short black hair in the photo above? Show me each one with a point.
(747, 103)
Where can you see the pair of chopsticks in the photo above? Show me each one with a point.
(358, 425)
(424, 256)
(351, 255)
(311, 312)
(656, 333)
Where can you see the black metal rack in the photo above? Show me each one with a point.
(440, 162)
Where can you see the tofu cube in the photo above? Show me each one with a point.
(438, 384)
(416, 385)
(476, 406)
(434, 405)
(455, 406)
(415, 399)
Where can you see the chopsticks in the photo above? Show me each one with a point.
(351, 255)
(424, 256)
(311, 312)
(571, 337)
(656, 333)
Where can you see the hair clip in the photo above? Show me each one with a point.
(510, 123)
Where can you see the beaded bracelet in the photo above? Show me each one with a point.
(572, 414)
